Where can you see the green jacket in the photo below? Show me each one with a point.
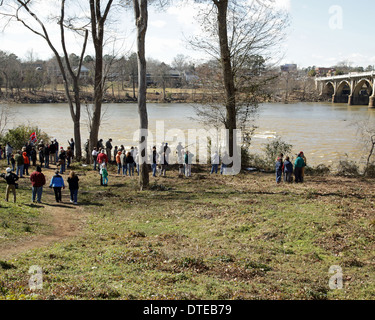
(19, 159)
(299, 163)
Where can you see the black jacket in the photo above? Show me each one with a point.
(11, 178)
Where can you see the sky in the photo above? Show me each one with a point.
(321, 33)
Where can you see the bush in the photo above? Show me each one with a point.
(19, 136)
(319, 170)
(347, 168)
(273, 148)
(256, 161)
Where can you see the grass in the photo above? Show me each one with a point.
(216, 237)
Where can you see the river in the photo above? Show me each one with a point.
(324, 131)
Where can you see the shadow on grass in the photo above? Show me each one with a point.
(34, 205)
(59, 205)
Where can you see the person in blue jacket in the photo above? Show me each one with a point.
(288, 170)
(57, 182)
(279, 169)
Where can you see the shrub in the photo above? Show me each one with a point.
(347, 168)
(319, 170)
(370, 171)
(17, 137)
(273, 148)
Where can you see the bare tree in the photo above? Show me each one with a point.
(97, 19)
(21, 11)
(141, 21)
(234, 32)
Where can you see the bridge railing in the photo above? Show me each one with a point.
(347, 76)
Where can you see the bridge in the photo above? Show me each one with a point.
(355, 88)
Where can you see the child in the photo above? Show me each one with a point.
(104, 174)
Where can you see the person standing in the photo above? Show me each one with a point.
(69, 157)
(46, 152)
(298, 165)
(94, 155)
(102, 161)
(57, 182)
(123, 162)
(279, 169)
(71, 145)
(99, 145)
(13, 162)
(130, 163)
(154, 161)
(41, 156)
(52, 153)
(33, 156)
(19, 163)
(188, 161)
(108, 146)
(26, 163)
(73, 187)
(56, 150)
(11, 179)
(104, 174)
(62, 160)
(115, 151)
(179, 149)
(118, 162)
(215, 160)
(38, 180)
(288, 170)
(87, 150)
(8, 151)
(163, 164)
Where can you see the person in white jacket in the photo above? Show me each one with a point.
(215, 160)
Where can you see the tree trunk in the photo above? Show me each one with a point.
(141, 17)
(97, 30)
(229, 87)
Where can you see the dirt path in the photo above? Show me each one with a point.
(65, 220)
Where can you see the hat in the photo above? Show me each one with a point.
(8, 170)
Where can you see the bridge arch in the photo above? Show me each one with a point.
(343, 91)
(328, 90)
(362, 92)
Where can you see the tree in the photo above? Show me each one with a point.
(141, 20)
(97, 21)
(181, 62)
(233, 32)
(10, 67)
(22, 12)
(132, 68)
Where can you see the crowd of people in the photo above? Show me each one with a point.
(126, 162)
(285, 168)
(20, 161)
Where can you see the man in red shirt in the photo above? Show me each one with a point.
(38, 180)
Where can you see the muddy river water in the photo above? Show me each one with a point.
(324, 131)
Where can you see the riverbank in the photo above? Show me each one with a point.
(204, 237)
(154, 95)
